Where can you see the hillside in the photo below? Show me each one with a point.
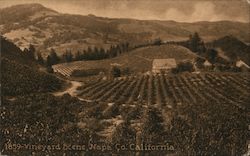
(46, 28)
(13, 52)
(19, 79)
(233, 48)
(20, 76)
(138, 60)
(23, 12)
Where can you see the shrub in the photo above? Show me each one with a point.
(183, 67)
(115, 72)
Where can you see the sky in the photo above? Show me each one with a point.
(177, 10)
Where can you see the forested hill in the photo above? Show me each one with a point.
(19, 76)
(233, 48)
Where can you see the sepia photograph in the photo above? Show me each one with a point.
(125, 78)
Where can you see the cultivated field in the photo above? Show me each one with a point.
(171, 90)
(190, 111)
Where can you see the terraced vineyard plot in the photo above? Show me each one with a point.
(66, 69)
(197, 114)
(171, 90)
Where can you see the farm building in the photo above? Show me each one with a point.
(165, 65)
(242, 65)
(207, 64)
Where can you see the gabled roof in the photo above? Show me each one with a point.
(167, 63)
(241, 63)
(207, 63)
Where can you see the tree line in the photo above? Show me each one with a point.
(93, 53)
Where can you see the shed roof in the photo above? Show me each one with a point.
(169, 63)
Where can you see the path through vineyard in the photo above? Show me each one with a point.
(72, 89)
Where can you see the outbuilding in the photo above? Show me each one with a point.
(163, 65)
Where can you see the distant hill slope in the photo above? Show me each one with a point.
(45, 28)
(233, 48)
(24, 12)
(20, 76)
(139, 60)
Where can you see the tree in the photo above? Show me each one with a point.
(26, 52)
(103, 53)
(53, 56)
(89, 50)
(157, 41)
(31, 52)
(126, 71)
(194, 40)
(199, 62)
(115, 71)
(40, 59)
(49, 69)
(123, 134)
(152, 128)
(112, 51)
(67, 56)
(96, 54)
(183, 67)
(88, 54)
(196, 44)
(212, 54)
(78, 56)
(125, 47)
(49, 62)
(118, 49)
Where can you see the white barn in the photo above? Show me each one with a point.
(165, 65)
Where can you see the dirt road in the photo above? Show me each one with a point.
(72, 90)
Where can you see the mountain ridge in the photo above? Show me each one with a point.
(40, 6)
(69, 31)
